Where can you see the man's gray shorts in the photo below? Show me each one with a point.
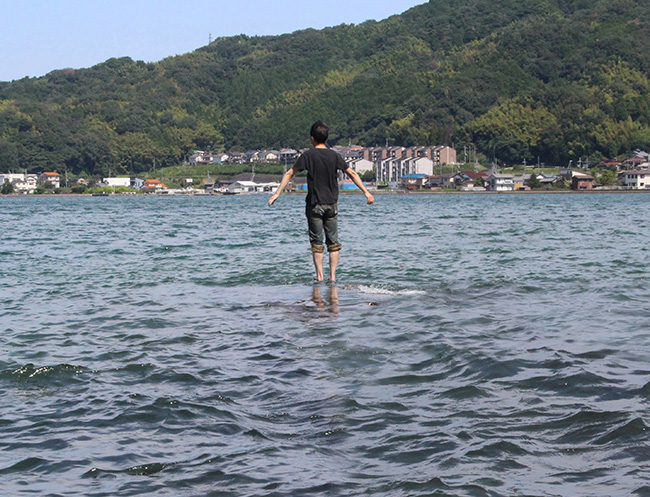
(323, 218)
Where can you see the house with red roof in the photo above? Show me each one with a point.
(53, 178)
(152, 185)
(468, 179)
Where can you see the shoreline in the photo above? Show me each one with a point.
(374, 192)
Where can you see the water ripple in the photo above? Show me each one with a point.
(475, 346)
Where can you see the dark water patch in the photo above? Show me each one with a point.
(140, 370)
(296, 374)
(57, 375)
(170, 248)
(444, 357)
(55, 444)
(465, 392)
(172, 377)
(263, 357)
(582, 384)
(582, 476)
(151, 323)
(256, 435)
(498, 449)
(644, 391)
(595, 354)
(171, 412)
(411, 379)
(30, 464)
(586, 426)
(140, 470)
(489, 368)
(208, 282)
(633, 431)
(434, 487)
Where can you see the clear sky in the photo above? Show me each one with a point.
(38, 36)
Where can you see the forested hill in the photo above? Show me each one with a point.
(521, 79)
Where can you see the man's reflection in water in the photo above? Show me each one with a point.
(332, 296)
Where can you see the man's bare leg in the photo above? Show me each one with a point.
(318, 264)
(334, 262)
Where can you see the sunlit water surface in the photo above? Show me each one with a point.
(474, 346)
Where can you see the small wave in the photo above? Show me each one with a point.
(411, 379)
(149, 469)
(46, 374)
(29, 464)
(378, 290)
(433, 486)
(171, 414)
(583, 384)
(587, 427)
(140, 470)
(498, 449)
(256, 435)
(630, 431)
(465, 392)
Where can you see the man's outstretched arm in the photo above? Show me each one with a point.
(356, 179)
(285, 181)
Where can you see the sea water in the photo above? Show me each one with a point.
(474, 346)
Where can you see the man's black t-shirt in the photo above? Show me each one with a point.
(322, 165)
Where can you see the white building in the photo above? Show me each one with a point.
(638, 179)
(221, 158)
(251, 156)
(501, 182)
(23, 183)
(252, 187)
(115, 182)
(200, 157)
(53, 178)
(242, 187)
(269, 156)
(268, 187)
(359, 166)
(26, 185)
(11, 177)
(421, 165)
(392, 170)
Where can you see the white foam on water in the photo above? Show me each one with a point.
(377, 290)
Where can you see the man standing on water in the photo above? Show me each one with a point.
(322, 165)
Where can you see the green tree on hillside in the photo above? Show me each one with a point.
(368, 176)
(521, 79)
(534, 182)
(7, 188)
(607, 177)
(513, 131)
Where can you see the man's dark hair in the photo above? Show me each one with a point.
(319, 131)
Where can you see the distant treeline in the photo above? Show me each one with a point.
(534, 80)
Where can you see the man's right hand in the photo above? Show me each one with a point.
(273, 198)
(371, 198)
